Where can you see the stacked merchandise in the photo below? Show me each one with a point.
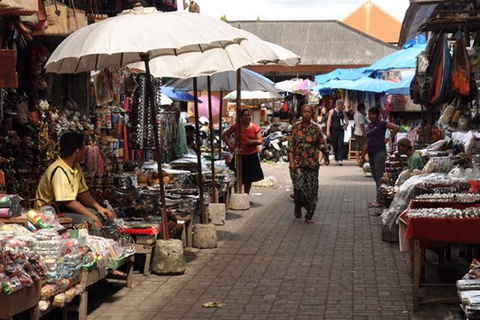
(469, 291)
(55, 260)
(9, 206)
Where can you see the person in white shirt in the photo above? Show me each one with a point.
(359, 133)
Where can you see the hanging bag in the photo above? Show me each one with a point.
(57, 17)
(461, 68)
(18, 8)
(38, 20)
(8, 72)
(95, 14)
(76, 17)
(11, 7)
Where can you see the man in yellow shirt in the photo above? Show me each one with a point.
(64, 184)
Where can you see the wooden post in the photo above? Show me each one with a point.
(238, 133)
(158, 154)
(212, 143)
(417, 266)
(203, 217)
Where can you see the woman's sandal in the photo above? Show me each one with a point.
(298, 215)
(309, 221)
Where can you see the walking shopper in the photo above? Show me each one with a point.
(375, 146)
(337, 123)
(359, 133)
(251, 138)
(305, 142)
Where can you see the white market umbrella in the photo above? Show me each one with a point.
(288, 85)
(287, 57)
(252, 51)
(137, 35)
(120, 40)
(254, 97)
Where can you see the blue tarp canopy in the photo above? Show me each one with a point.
(403, 86)
(342, 74)
(402, 59)
(361, 84)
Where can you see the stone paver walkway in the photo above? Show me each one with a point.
(269, 265)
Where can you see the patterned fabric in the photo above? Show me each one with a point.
(305, 143)
(305, 189)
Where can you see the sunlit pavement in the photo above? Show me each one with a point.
(269, 265)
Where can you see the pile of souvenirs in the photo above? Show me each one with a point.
(53, 256)
(469, 291)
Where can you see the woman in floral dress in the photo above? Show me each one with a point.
(305, 143)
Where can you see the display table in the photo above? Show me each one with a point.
(19, 301)
(428, 232)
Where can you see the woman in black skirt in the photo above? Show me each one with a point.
(251, 138)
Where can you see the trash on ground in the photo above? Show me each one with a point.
(267, 182)
(213, 305)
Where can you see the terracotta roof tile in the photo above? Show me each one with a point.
(374, 21)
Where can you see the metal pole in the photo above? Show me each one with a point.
(203, 217)
(238, 134)
(220, 126)
(212, 142)
(158, 154)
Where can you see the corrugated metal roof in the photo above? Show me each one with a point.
(322, 42)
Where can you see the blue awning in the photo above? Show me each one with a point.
(402, 59)
(403, 86)
(362, 84)
(342, 74)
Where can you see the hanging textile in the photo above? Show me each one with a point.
(141, 115)
(182, 148)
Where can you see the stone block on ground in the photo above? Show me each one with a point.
(216, 213)
(204, 236)
(239, 201)
(168, 257)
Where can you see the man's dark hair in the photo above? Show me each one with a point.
(375, 110)
(71, 142)
(361, 106)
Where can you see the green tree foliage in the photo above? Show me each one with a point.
(224, 18)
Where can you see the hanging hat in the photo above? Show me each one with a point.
(203, 120)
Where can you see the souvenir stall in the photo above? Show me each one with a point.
(436, 209)
(35, 110)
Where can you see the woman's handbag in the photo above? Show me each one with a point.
(57, 17)
(38, 20)
(95, 14)
(76, 17)
(6, 5)
(8, 71)
(27, 7)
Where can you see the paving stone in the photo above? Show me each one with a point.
(269, 265)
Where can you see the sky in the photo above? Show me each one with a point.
(294, 9)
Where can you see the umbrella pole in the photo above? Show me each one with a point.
(212, 142)
(220, 127)
(238, 134)
(203, 218)
(158, 155)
